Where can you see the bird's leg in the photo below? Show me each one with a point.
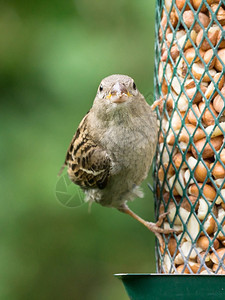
(154, 227)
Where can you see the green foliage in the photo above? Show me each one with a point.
(53, 55)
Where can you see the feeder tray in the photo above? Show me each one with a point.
(173, 287)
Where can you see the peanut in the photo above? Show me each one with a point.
(208, 116)
(208, 191)
(209, 58)
(218, 102)
(208, 150)
(188, 17)
(220, 57)
(212, 35)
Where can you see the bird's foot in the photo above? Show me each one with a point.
(154, 227)
(157, 230)
(157, 103)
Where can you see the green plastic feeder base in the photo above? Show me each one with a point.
(164, 286)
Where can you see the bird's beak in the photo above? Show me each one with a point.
(119, 93)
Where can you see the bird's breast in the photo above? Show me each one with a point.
(130, 144)
(130, 148)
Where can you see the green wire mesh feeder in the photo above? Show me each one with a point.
(190, 165)
(189, 168)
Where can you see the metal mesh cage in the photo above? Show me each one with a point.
(189, 168)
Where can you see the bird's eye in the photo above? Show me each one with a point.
(101, 88)
(134, 86)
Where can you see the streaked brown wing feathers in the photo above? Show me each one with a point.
(88, 164)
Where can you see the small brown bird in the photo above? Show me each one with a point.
(112, 150)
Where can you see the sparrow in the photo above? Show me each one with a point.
(112, 150)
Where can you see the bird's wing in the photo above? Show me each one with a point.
(88, 163)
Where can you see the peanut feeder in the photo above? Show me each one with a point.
(189, 168)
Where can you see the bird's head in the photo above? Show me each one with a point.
(116, 90)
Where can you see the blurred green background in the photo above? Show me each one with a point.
(53, 55)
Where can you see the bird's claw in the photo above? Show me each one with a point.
(157, 103)
(161, 218)
(157, 230)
